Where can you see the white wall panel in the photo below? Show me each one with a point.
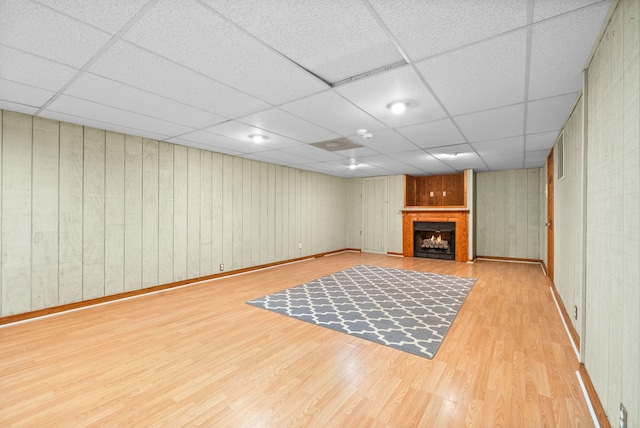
(93, 214)
(613, 215)
(193, 226)
(71, 170)
(150, 207)
(396, 204)
(354, 213)
(180, 205)
(255, 216)
(16, 213)
(165, 213)
(205, 214)
(140, 213)
(114, 214)
(133, 213)
(508, 214)
(237, 213)
(217, 212)
(44, 250)
(228, 206)
(278, 187)
(286, 225)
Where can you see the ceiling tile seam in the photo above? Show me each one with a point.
(406, 57)
(527, 76)
(159, 96)
(35, 55)
(99, 53)
(386, 30)
(73, 18)
(102, 121)
(260, 42)
(26, 84)
(184, 67)
(444, 109)
(123, 110)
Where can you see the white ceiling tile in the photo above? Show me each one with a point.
(505, 162)
(493, 124)
(241, 132)
(549, 114)
(223, 142)
(406, 169)
(312, 152)
(23, 94)
(373, 94)
(108, 15)
(388, 141)
(414, 157)
(462, 163)
(284, 156)
(44, 32)
(541, 141)
(156, 74)
(480, 77)
(535, 159)
(18, 108)
(357, 153)
(114, 94)
(333, 112)
(504, 146)
(283, 123)
(559, 51)
(32, 70)
(425, 28)
(382, 161)
(209, 44)
(433, 134)
(543, 9)
(209, 147)
(70, 118)
(436, 168)
(112, 117)
(351, 40)
(461, 154)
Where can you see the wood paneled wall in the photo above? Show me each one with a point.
(508, 214)
(613, 215)
(87, 213)
(419, 190)
(569, 219)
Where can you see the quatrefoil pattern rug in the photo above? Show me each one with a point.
(406, 310)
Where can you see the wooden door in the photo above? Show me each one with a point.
(549, 223)
(374, 206)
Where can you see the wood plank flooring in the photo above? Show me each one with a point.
(200, 356)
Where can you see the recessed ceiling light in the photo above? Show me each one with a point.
(257, 138)
(353, 166)
(398, 107)
(361, 132)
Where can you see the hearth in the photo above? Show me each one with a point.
(435, 240)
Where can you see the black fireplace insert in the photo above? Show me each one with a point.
(435, 240)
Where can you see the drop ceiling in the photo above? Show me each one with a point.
(489, 83)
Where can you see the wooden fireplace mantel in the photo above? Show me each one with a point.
(459, 216)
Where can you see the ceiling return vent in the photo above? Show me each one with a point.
(337, 144)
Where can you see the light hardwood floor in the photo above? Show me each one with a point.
(200, 356)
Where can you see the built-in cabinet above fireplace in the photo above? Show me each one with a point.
(440, 228)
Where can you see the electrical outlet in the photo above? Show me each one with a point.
(444, 193)
(575, 312)
(300, 245)
(623, 416)
(431, 194)
(221, 267)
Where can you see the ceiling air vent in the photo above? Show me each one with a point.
(337, 144)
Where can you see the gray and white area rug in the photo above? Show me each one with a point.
(404, 309)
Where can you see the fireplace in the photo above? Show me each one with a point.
(435, 240)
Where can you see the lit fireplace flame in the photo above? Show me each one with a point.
(434, 239)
